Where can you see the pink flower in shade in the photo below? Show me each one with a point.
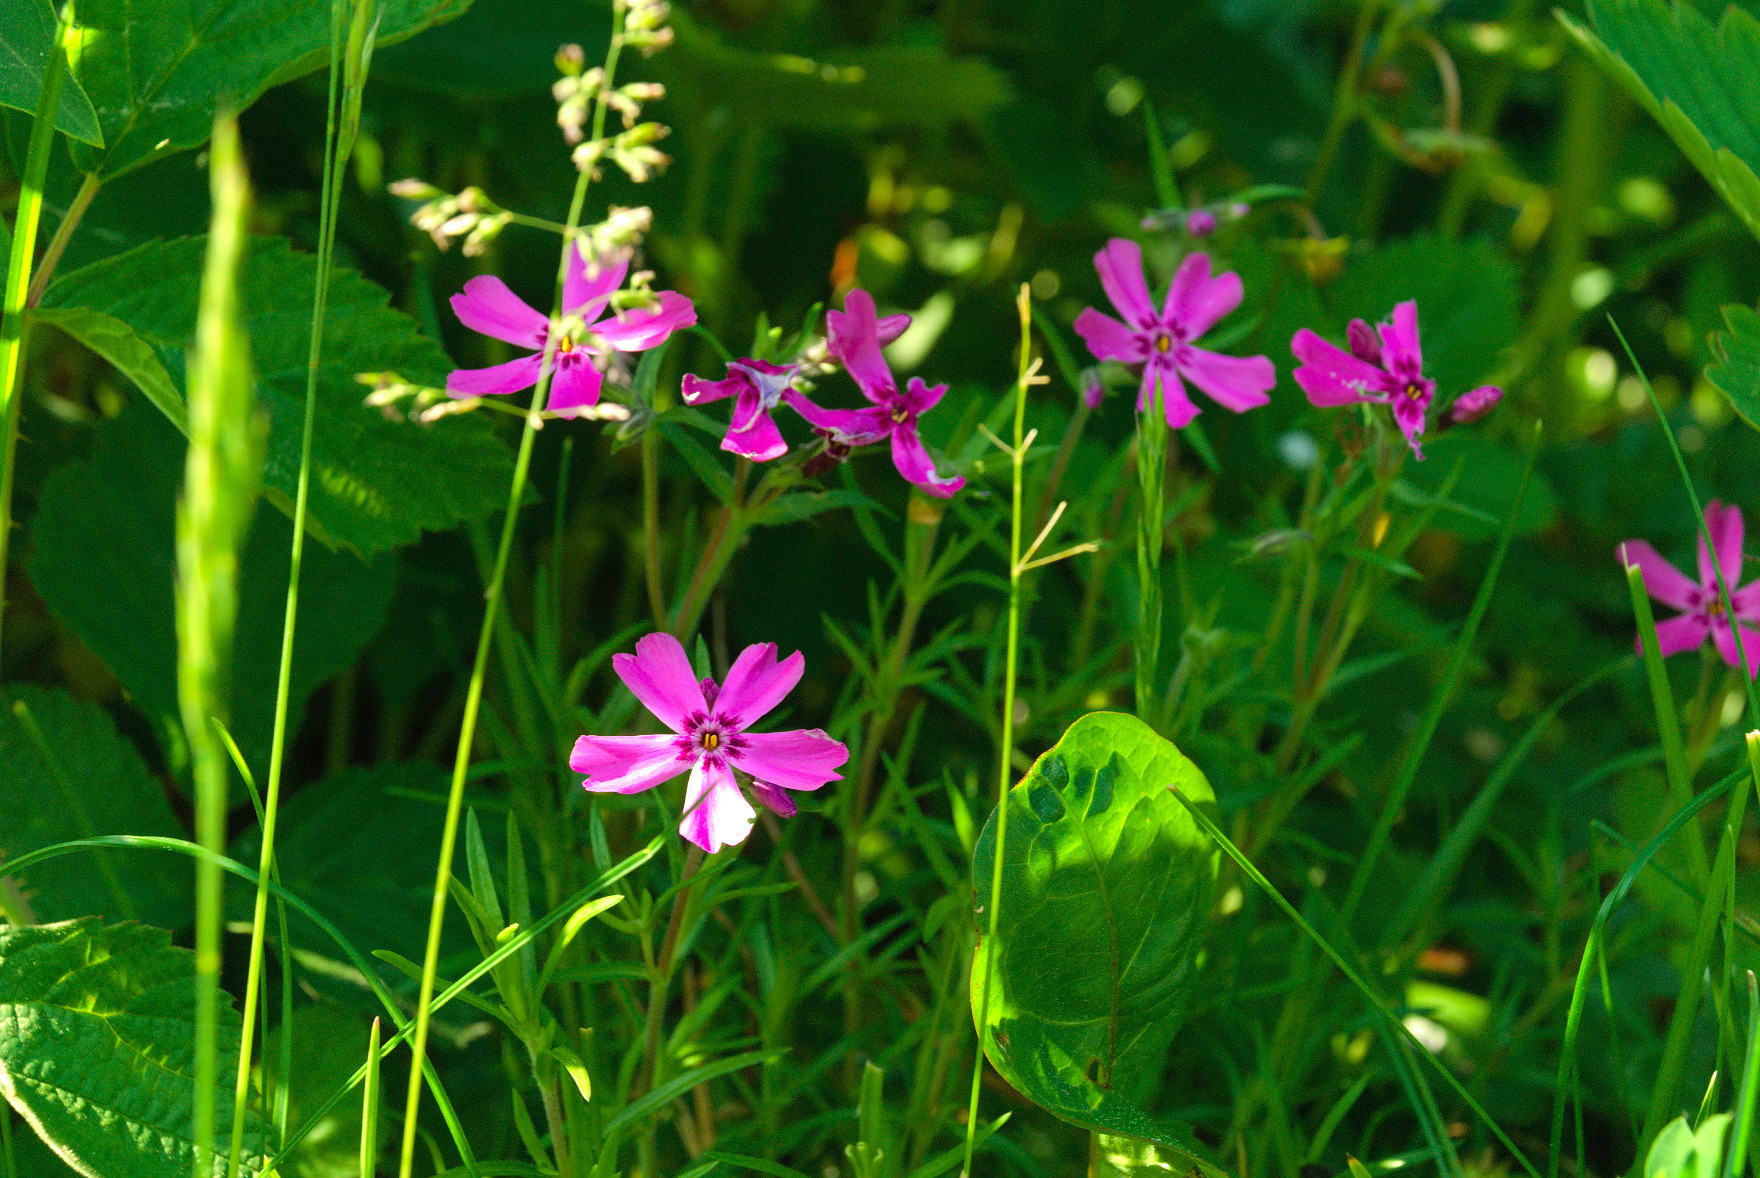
(487, 306)
(711, 738)
(1474, 404)
(1161, 341)
(759, 387)
(1384, 371)
(1701, 604)
(855, 339)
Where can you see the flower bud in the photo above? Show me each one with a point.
(1474, 404)
(1200, 222)
(570, 59)
(1091, 387)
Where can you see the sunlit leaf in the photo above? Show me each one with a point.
(27, 31)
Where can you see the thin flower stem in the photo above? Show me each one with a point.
(485, 638)
(1344, 100)
(661, 986)
(82, 200)
(284, 680)
(651, 527)
(1005, 770)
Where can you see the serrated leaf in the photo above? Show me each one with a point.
(157, 70)
(1106, 889)
(103, 557)
(376, 483)
(1696, 78)
(131, 355)
(96, 784)
(97, 1049)
(1737, 371)
(27, 33)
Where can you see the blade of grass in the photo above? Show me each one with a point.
(1750, 1091)
(370, 1108)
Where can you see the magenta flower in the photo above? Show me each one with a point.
(759, 387)
(1386, 371)
(1161, 341)
(487, 306)
(1702, 605)
(855, 339)
(1474, 404)
(710, 737)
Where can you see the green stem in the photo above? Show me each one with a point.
(1005, 770)
(332, 176)
(82, 200)
(1151, 510)
(485, 638)
(651, 527)
(1344, 101)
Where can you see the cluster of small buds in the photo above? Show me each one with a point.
(644, 25)
(391, 392)
(633, 151)
(621, 230)
(816, 359)
(1197, 222)
(470, 215)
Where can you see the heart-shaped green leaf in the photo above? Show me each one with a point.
(1106, 890)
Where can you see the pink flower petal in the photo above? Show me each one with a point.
(487, 306)
(854, 427)
(889, 327)
(1109, 339)
(1662, 580)
(1726, 645)
(510, 377)
(1175, 403)
(647, 327)
(661, 677)
(1196, 301)
(1687, 632)
(716, 814)
(921, 397)
(1361, 340)
(803, 758)
(1408, 414)
(1332, 376)
(1399, 339)
(1120, 265)
(1239, 383)
(586, 295)
(760, 440)
(756, 683)
(627, 764)
(1724, 522)
(917, 467)
(698, 391)
(853, 337)
(576, 384)
(774, 798)
(1746, 601)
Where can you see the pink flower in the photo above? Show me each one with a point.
(710, 738)
(1702, 605)
(1385, 371)
(855, 338)
(1161, 341)
(1474, 404)
(759, 387)
(487, 306)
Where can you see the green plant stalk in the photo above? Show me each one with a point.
(284, 675)
(1151, 512)
(1750, 1090)
(1344, 101)
(1668, 729)
(220, 487)
(370, 1108)
(651, 527)
(18, 272)
(485, 638)
(659, 990)
(1005, 770)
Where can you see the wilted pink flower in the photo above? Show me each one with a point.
(487, 306)
(1161, 341)
(855, 337)
(1386, 371)
(1702, 605)
(759, 387)
(1092, 388)
(1474, 404)
(710, 738)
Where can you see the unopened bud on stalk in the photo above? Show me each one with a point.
(570, 59)
(644, 26)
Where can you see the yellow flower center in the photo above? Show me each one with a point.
(1163, 343)
(711, 741)
(1414, 392)
(899, 416)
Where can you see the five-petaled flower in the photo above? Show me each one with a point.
(1703, 612)
(759, 387)
(1162, 341)
(488, 306)
(711, 737)
(1386, 371)
(855, 338)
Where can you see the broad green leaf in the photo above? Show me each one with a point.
(1106, 888)
(103, 557)
(97, 1048)
(131, 355)
(66, 773)
(157, 70)
(1468, 303)
(359, 847)
(1737, 371)
(27, 31)
(376, 483)
(1696, 78)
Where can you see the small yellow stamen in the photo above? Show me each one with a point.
(1717, 608)
(898, 418)
(1163, 343)
(711, 741)
(1414, 392)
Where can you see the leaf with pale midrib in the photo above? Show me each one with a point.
(1106, 888)
(27, 31)
(97, 1048)
(376, 483)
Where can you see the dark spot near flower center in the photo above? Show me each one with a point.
(711, 741)
(1163, 343)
